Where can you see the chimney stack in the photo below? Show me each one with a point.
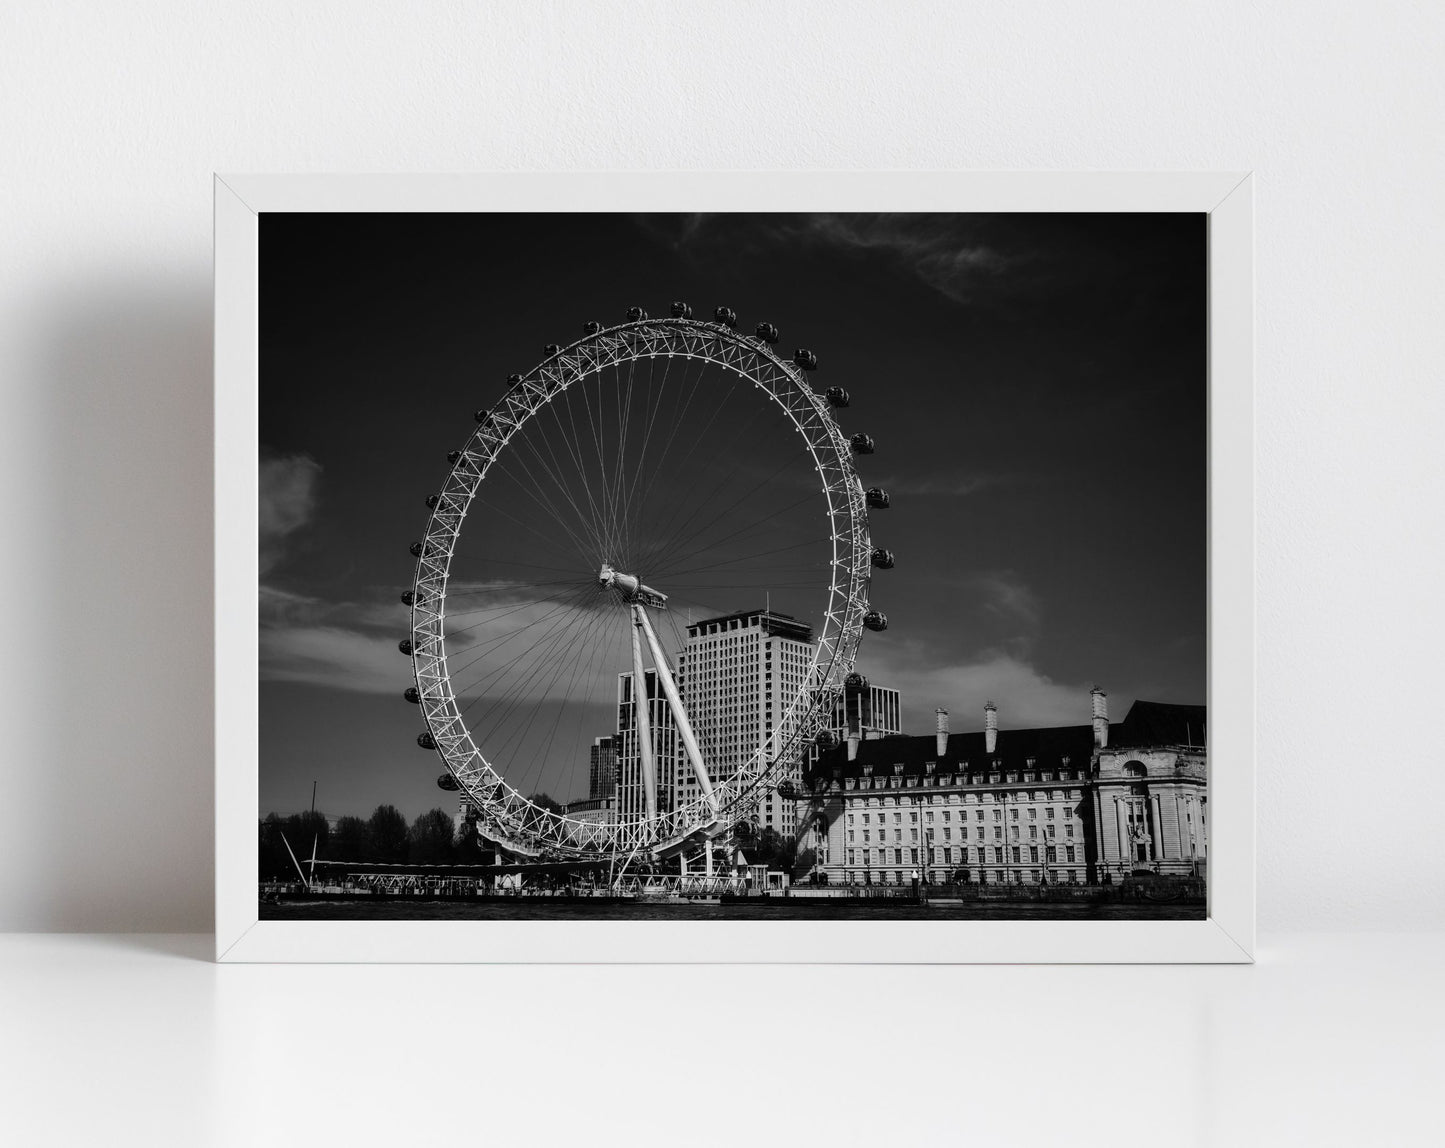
(852, 744)
(990, 727)
(1101, 717)
(942, 732)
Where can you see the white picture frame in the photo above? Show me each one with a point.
(1228, 932)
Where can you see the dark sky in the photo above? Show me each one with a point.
(1035, 385)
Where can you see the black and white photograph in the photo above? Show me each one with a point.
(733, 566)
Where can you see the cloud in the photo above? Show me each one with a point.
(1024, 695)
(353, 646)
(949, 252)
(287, 502)
(946, 251)
(1004, 595)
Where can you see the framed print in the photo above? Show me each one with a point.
(805, 567)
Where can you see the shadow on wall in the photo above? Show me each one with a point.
(115, 800)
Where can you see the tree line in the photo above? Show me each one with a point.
(385, 838)
(432, 839)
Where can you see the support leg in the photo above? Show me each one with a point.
(679, 715)
(641, 718)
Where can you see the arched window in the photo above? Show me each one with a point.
(1135, 769)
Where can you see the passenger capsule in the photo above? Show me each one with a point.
(405, 647)
(481, 414)
(426, 741)
(415, 549)
(861, 444)
(589, 329)
(550, 349)
(878, 498)
(787, 789)
(432, 500)
(838, 397)
(827, 739)
(447, 782)
(412, 695)
(636, 314)
(681, 310)
(876, 621)
(514, 380)
(883, 559)
(408, 598)
(452, 456)
(805, 359)
(855, 682)
(766, 332)
(726, 316)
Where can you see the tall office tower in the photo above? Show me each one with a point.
(667, 749)
(737, 675)
(602, 769)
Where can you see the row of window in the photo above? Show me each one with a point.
(983, 876)
(946, 855)
(896, 780)
(946, 834)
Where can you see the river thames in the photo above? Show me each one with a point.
(782, 909)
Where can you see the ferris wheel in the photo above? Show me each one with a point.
(652, 482)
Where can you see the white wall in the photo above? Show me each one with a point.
(113, 116)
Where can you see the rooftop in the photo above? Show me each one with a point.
(1146, 724)
(771, 621)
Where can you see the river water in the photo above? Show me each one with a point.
(791, 909)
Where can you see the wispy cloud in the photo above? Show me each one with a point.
(952, 253)
(498, 635)
(1004, 595)
(1024, 694)
(288, 489)
(948, 252)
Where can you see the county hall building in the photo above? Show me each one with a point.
(1064, 805)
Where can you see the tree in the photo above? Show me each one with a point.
(351, 841)
(305, 830)
(540, 801)
(774, 850)
(467, 849)
(430, 838)
(273, 862)
(386, 830)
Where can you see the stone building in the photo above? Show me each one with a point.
(1002, 806)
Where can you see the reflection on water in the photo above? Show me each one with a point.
(537, 909)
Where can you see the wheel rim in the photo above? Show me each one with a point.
(507, 814)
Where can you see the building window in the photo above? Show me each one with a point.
(1016, 857)
(1052, 854)
(1034, 853)
(1049, 813)
(1068, 852)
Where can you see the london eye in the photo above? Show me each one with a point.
(634, 483)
